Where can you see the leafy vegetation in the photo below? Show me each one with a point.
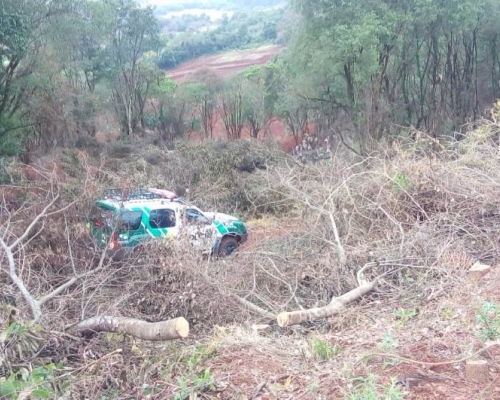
(324, 350)
(488, 319)
(240, 31)
(230, 5)
(371, 67)
(37, 383)
(369, 389)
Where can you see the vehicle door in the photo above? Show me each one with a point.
(202, 233)
(163, 223)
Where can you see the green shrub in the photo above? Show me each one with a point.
(35, 383)
(488, 319)
(11, 138)
(120, 150)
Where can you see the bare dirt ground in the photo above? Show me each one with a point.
(224, 64)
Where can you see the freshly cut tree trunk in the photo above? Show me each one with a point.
(335, 306)
(164, 330)
(477, 371)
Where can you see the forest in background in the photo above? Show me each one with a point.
(360, 71)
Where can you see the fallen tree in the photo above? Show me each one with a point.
(177, 328)
(335, 305)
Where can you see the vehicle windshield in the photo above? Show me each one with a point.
(195, 216)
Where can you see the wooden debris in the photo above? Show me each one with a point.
(177, 328)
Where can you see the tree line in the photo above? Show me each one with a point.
(369, 68)
(63, 61)
(361, 71)
(66, 62)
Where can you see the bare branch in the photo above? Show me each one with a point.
(32, 302)
(41, 215)
(252, 307)
(336, 305)
(340, 248)
(73, 280)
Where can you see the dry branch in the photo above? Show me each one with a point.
(252, 307)
(336, 304)
(334, 307)
(177, 328)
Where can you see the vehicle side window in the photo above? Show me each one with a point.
(130, 220)
(163, 218)
(194, 217)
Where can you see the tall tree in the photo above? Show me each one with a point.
(230, 106)
(168, 110)
(134, 31)
(202, 95)
(260, 93)
(374, 65)
(23, 25)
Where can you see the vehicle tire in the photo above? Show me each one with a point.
(227, 246)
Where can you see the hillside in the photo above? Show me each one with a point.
(407, 215)
(225, 64)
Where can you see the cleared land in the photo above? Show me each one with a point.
(224, 64)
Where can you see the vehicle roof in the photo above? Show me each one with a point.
(152, 204)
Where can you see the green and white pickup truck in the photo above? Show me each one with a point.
(121, 224)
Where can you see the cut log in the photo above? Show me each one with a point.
(477, 371)
(177, 328)
(335, 306)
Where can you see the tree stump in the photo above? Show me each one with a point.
(477, 271)
(477, 371)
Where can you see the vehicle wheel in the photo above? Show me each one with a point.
(227, 246)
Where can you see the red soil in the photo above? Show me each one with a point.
(224, 64)
(277, 130)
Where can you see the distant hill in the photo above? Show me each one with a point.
(224, 64)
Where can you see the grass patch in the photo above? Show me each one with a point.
(322, 350)
(367, 388)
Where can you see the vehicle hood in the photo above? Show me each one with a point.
(224, 218)
(227, 224)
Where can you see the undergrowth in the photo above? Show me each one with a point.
(368, 388)
(417, 220)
